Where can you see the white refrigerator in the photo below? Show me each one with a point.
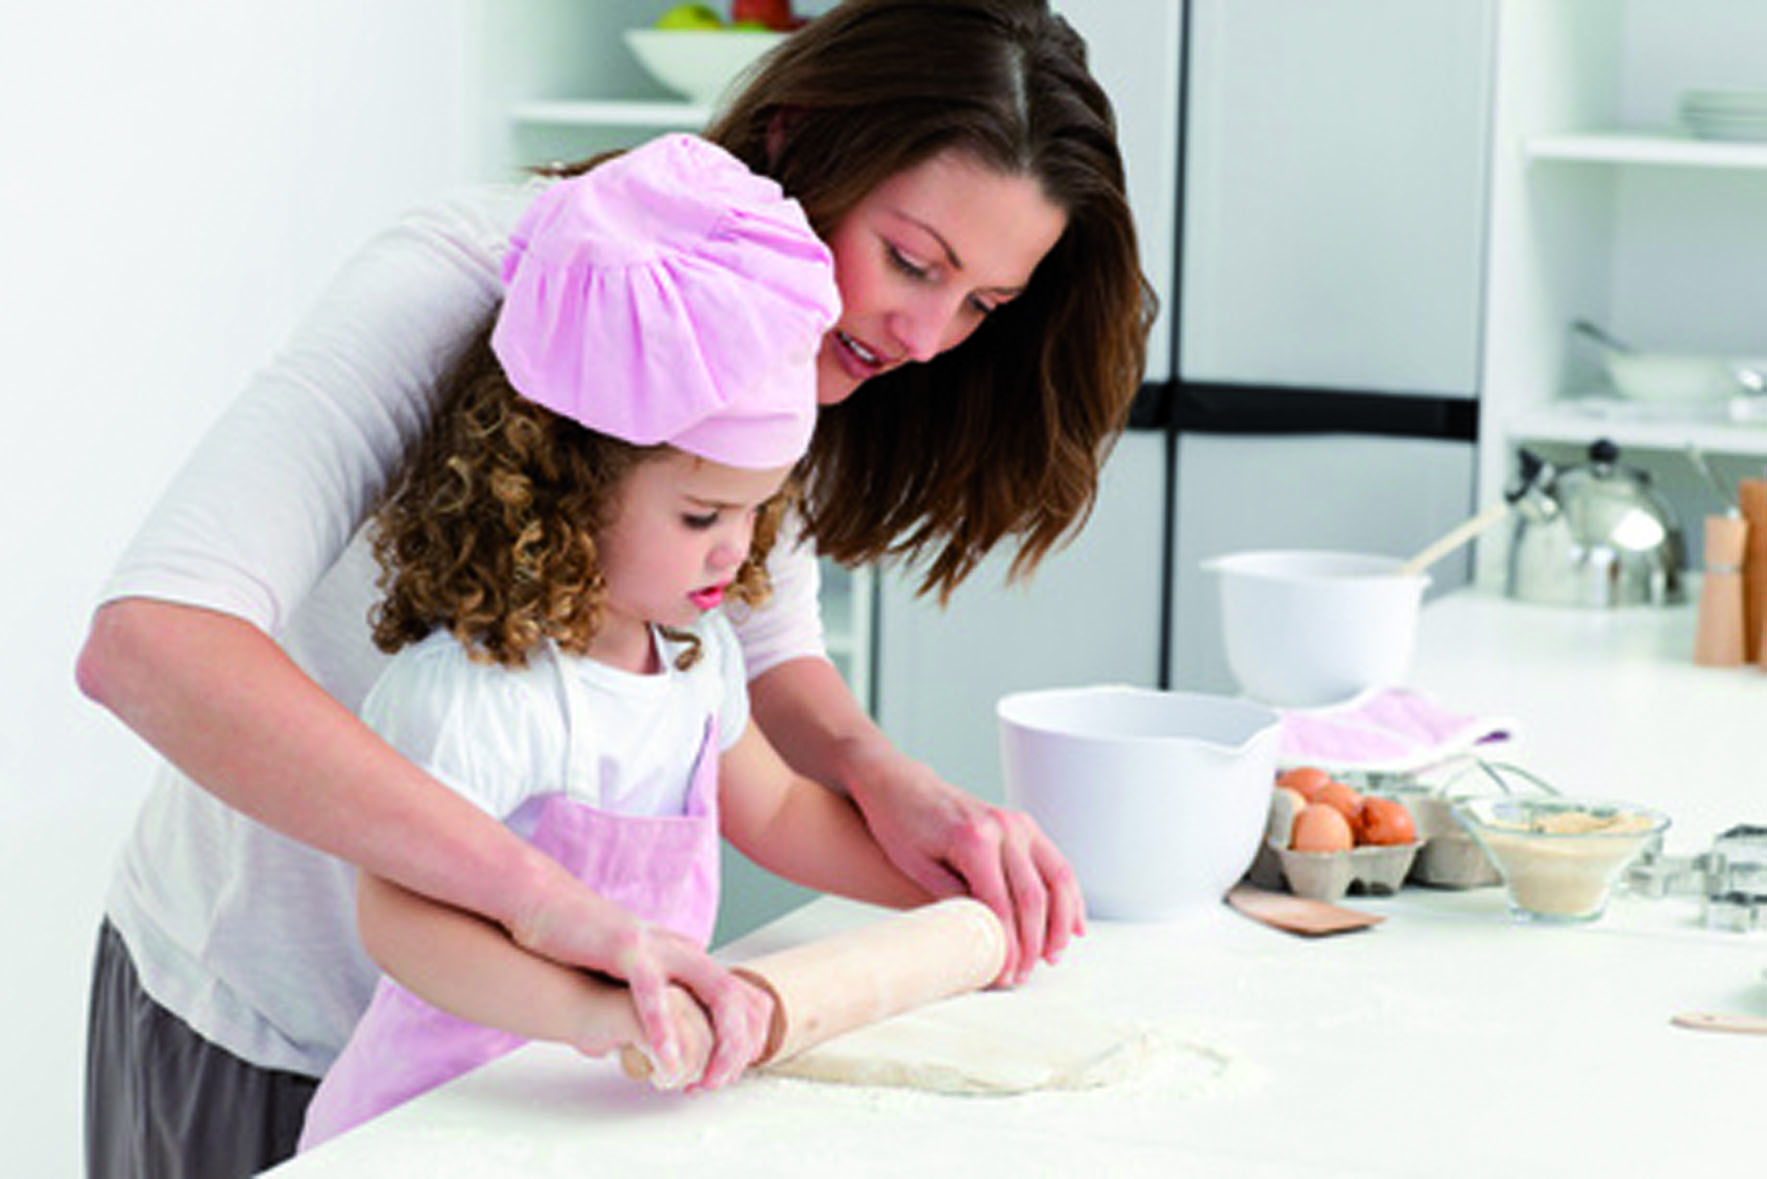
(1309, 181)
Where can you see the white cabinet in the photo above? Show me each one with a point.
(1602, 209)
(1334, 188)
(1091, 614)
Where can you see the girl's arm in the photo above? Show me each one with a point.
(948, 841)
(470, 968)
(219, 699)
(796, 828)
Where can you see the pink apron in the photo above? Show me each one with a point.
(664, 869)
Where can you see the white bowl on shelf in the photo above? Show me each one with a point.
(1673, 376)
(699, 64)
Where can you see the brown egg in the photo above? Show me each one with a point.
(1321, 827)
(1304, 780)
(1285, 804)
(1343, 797)
(1385, 821)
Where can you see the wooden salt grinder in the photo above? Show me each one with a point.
(1719, 638)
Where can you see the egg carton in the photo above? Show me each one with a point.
(1370, 870)
(1449, 856)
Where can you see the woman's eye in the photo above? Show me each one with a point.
(902, 263)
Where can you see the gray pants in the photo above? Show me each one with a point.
(164, 1103)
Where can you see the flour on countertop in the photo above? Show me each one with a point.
(999, 1043)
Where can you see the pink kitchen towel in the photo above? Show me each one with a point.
(1392, 730)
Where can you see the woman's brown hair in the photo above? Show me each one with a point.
(489, 529)
(1005, 434)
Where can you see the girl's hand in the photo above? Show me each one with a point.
(951, 843)
(661, 969)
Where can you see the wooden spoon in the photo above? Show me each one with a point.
(1454, 538)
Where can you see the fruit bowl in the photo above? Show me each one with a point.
(699, 64)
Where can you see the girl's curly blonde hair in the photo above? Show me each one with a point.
(489, 527)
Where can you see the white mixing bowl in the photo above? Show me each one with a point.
(1304, 629)
(1158, 799)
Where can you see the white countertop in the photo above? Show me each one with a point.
(1447, 1041)
(1609, 704)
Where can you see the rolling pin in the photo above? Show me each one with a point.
(835, 984)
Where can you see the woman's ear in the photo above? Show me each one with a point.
(778, 129)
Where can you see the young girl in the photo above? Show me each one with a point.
(553, 557)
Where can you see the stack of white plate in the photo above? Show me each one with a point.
(1726, 114)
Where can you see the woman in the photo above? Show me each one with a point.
(961, 164)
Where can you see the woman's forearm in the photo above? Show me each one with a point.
(797, 829)
(226, 705)
(814, 721)
(220, 700)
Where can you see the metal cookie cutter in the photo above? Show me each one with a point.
(1736, 880)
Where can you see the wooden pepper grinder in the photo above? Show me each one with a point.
(1751, 497)
(1719, 640)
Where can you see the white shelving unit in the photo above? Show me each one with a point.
(1665, 147)
(623, 113)
(1602, 210)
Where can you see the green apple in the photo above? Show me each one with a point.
(690, 16)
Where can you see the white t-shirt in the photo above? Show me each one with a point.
(502, 736)
(248, 936)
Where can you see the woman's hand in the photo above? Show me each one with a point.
(950, 842)
(693, 1031)
(661, 969)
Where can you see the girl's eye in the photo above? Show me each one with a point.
(700, 523)
(982, 307)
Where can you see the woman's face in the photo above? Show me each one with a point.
(923, 259)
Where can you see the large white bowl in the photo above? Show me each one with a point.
(1158, 799)
(699, 64)
(1303, 628)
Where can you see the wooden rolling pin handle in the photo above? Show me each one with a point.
(835, 984)
(635, 1063)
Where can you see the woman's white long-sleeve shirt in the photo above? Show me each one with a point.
(246, 935)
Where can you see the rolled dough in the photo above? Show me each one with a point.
(994, 1043)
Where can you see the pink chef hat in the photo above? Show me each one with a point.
(671, 295)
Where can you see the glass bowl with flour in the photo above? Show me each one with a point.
(1559, 856)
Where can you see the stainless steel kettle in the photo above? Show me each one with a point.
(1592, 535)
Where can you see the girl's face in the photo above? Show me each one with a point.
(923, 259)
(679, 533)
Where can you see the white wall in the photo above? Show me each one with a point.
(180, 179)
